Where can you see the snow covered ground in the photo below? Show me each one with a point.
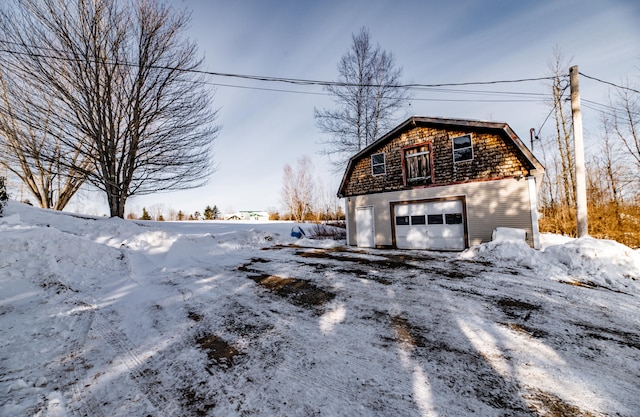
(107, 317)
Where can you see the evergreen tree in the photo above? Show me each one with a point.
(180, 215)
(161, 218)
(3, 195)
(208, 213)
(145, 214)
(216, 212)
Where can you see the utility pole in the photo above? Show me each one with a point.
(578, 144)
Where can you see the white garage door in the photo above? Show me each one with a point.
(431, 225)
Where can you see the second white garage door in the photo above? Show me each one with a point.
(430, 225)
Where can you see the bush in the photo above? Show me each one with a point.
(333, 230)
(4, 197)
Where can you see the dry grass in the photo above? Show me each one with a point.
(607, 221)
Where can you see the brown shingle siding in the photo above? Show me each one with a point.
(494, 156)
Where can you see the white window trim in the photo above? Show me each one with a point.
(453, 150)
(383, 164)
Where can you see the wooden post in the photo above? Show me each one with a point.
(578, 144)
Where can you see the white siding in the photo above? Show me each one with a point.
(489, 204)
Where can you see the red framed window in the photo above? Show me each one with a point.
(417, 163)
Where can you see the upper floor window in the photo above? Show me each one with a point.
(462, 150)
(417, 164)
(377, 164)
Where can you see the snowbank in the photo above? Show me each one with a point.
(586, 261)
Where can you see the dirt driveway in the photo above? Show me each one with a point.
(409, 333)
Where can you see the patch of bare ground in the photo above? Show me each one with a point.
(219, 352)
(528, 330)
(517, 309)
(192, 315)
(297, 291)
(197, 403)
(591, 285)
(57, 286)
(550, 405)
(412, 337)
(520, 312)
(245, 322)
(453, 269)
(628, 339)
(364, 275)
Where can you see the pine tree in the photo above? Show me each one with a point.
(145, 214)
(3, 195)
(208, 213)
(216, 212)
(180, 215)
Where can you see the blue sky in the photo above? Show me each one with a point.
(433, 42)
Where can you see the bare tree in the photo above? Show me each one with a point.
(564, 127)
(298, 189)
(157, 210)
(616, 165)
(288, 189)
(125, 87)
(368, 94)
(327, 202)
(626, 123)
(22, 149)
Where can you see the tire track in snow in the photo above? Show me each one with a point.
(87, 404)
(125, 349)
(74, 373)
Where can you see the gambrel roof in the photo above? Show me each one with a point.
(500, 128)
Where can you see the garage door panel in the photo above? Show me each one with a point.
(452, 231)
(444, 206)
(402, 210)
(430, 225)
(417, 239)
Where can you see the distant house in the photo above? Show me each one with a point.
(254, 215)
(445, 184)
(248, 215)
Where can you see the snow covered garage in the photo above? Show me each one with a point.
(442, 184)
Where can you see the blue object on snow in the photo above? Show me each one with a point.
(297, 233)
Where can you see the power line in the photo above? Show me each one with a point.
(608, 110)
(609, 83)
(550, 112)
(510, 100)
(263, 78)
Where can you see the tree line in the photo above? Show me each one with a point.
(158, 212)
